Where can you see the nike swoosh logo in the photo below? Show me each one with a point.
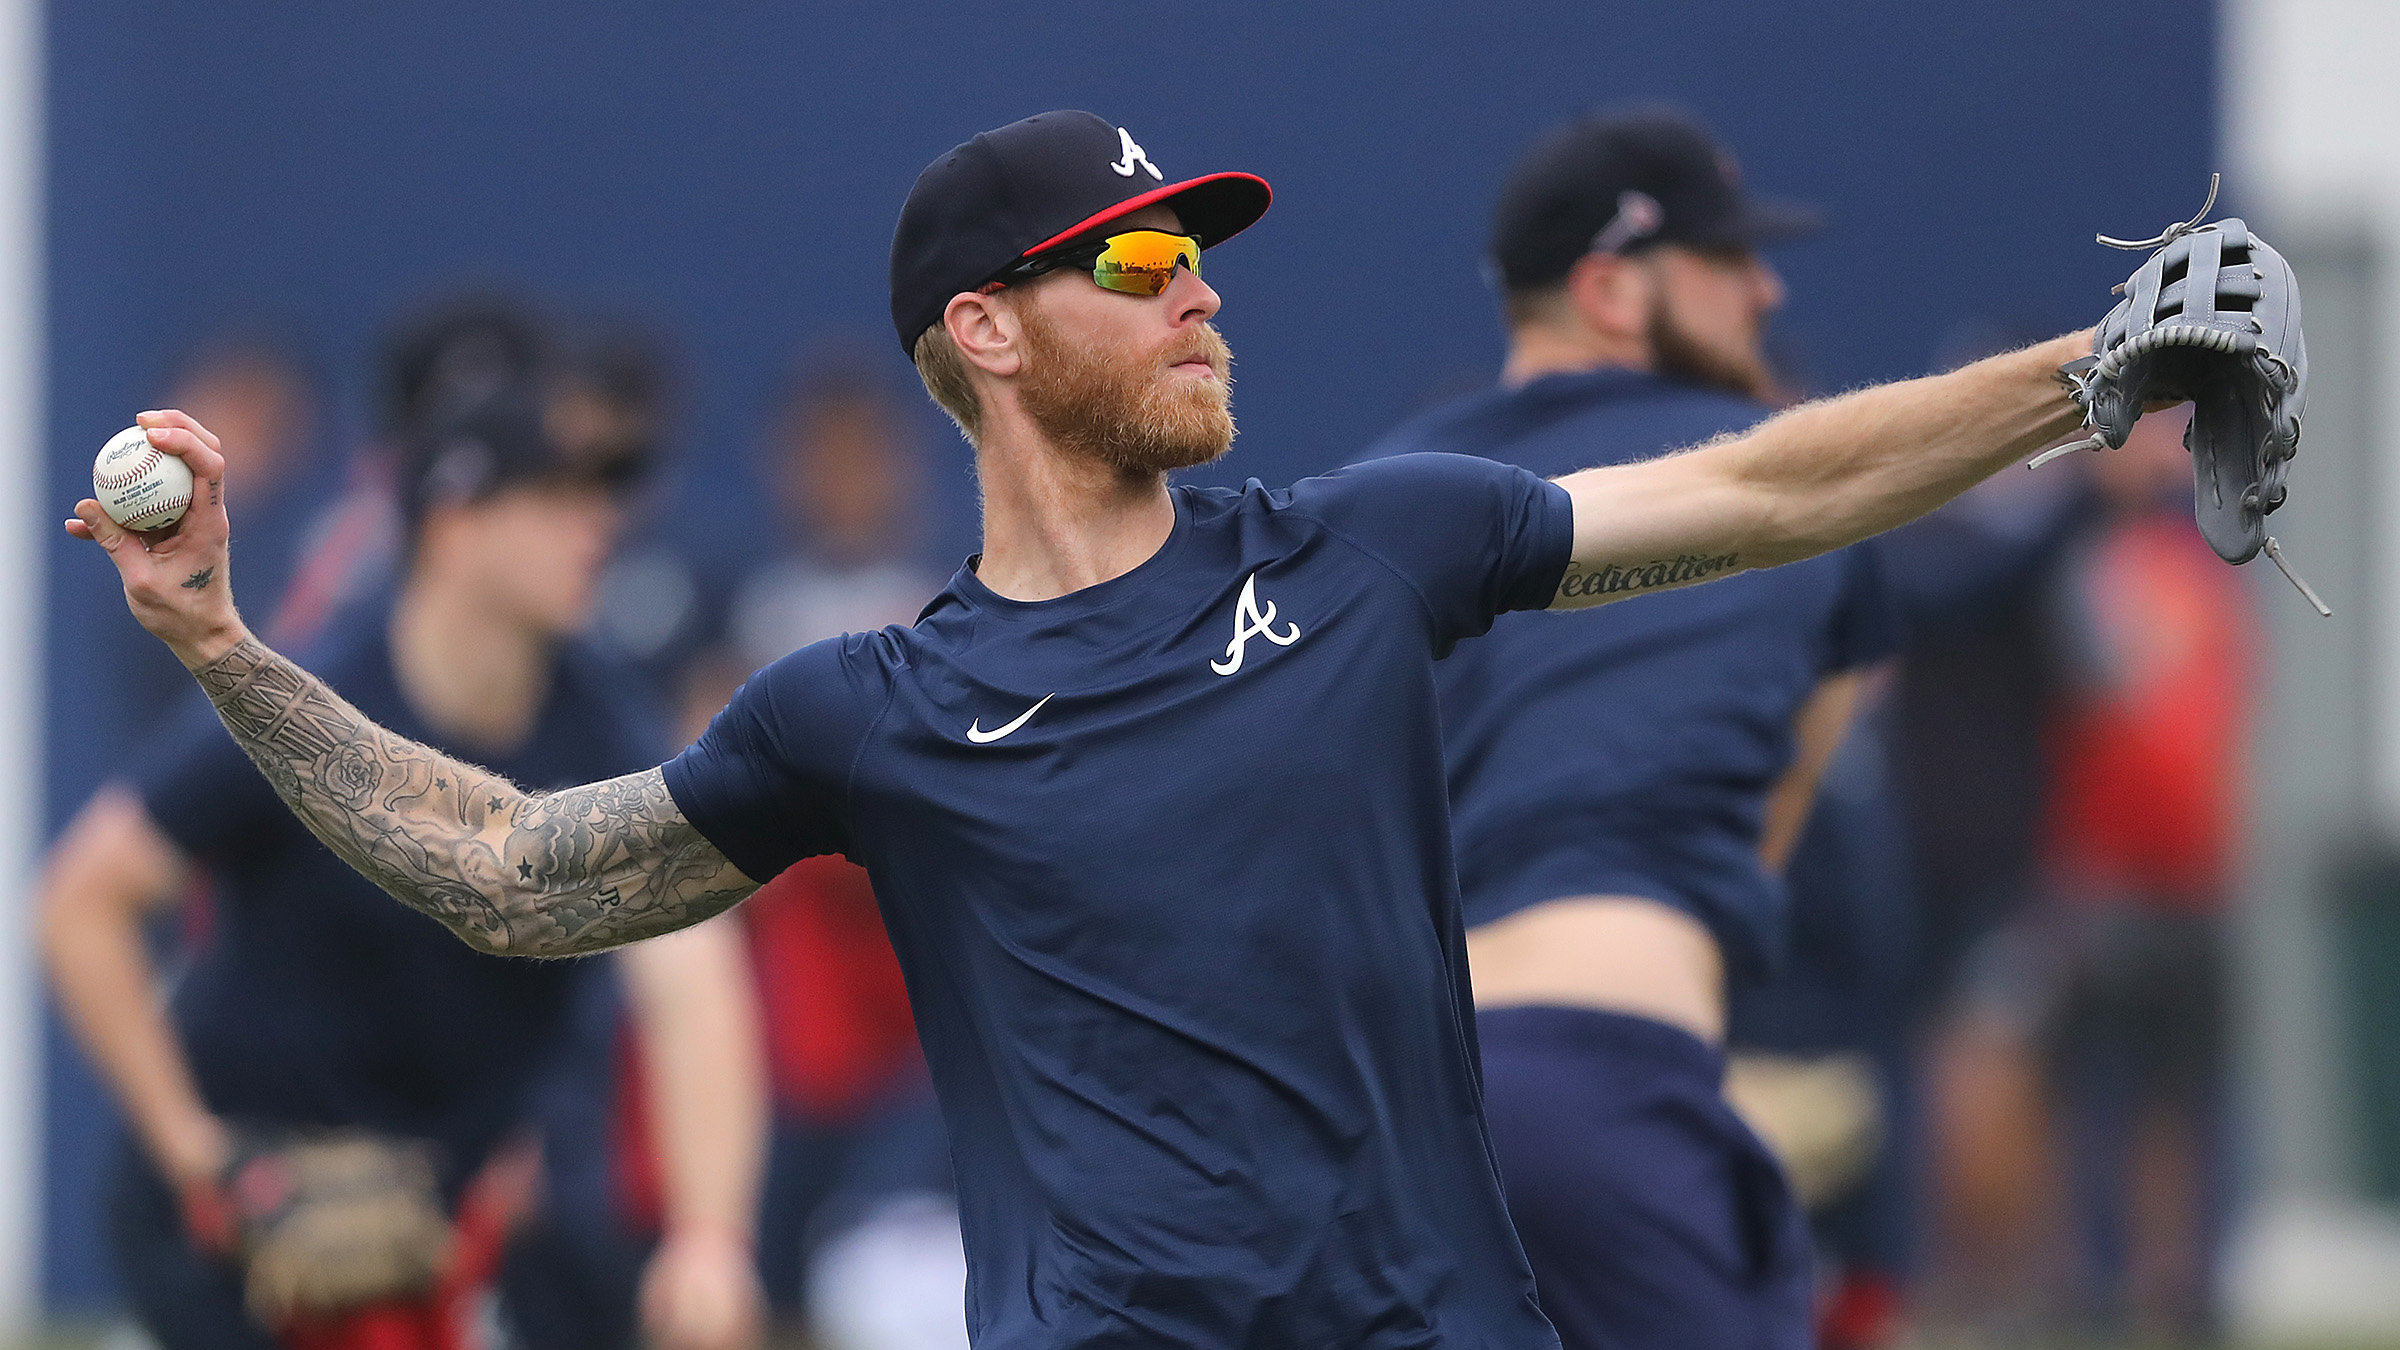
(977, 734)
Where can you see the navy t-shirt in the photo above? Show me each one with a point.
(1628, 750)
(319, 1000)
(1167, 864)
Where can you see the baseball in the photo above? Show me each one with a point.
(140, 486)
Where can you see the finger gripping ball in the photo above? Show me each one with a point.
(140, 486)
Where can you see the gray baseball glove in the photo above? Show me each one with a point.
(2212, 317)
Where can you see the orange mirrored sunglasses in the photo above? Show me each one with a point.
(1137, 262)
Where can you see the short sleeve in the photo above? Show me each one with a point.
(203, 793)
(768, 782)
(1476, 538)
(1865, 625)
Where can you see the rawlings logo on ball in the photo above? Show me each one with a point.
(140, 486)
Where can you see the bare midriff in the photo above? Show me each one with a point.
(1611, 953)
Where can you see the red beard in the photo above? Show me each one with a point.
(1127, 412)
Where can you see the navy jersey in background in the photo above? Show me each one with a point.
(318, 999)
(1628, 750)
(1167, 864)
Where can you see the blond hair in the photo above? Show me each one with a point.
(943, 368)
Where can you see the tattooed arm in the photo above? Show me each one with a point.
(1814, 478)
(526, 874)
(547, 874)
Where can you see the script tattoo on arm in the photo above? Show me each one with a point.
(510, 871)
(1584, 585)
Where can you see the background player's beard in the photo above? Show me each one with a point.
(1676, 353)
(1123, 411)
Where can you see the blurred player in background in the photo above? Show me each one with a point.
(605, 396)
(1616, 777)
(848, 476)
(314, 1004)
(2145, 749)
(1817, 1059)
(845, 471)
(1824, 1059)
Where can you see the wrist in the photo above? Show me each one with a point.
(194, 1147)
(712, 1234)
(211, 645)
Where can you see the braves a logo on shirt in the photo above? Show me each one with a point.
(1251, 622)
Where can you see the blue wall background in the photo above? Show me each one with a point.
(731, 170)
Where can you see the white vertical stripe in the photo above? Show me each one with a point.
(2310, 104)
(25, 512)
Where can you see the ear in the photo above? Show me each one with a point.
(1611, 295)
(987, 330)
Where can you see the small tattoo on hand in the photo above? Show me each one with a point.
(199, 580)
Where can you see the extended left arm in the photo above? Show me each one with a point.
(1814, 478)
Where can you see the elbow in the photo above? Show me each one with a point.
(55, 919)
(526, 922)
(74, 909)
(494, 924)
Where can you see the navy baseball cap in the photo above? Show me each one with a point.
(1029, 187)
(1622, 182)
(472, 447)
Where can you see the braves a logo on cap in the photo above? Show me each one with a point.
(1134, 154)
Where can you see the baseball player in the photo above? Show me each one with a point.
(1610, 865)
(316, 1005)
(1152, 794)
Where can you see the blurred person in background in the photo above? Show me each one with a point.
(314, 1004)
(2139, 848)
(1964, 725)
(854, 1114)
(848, 477)
(605, 392)
(1825, 1060)
(252, 382)
(1611, 866)
(1817, 1059)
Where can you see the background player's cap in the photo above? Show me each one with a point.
(1032, 185)
(474, 447)
(1619, 183)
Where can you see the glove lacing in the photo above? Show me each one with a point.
(2173, 232)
